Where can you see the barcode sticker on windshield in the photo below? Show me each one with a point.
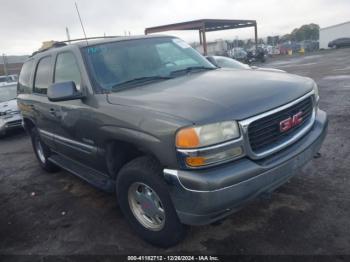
(181, 43)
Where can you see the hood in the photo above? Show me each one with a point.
(10, 106)
(216, 95)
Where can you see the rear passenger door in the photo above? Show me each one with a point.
(42, 108)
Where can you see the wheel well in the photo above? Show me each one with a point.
(28, 124)
(119, 153)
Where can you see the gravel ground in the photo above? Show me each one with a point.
(57, 214)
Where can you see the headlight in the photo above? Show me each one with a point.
(209, 144)
(317, 97)
(2, 122)
(201, 136)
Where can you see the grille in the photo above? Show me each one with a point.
(265, 133)
(14, 123)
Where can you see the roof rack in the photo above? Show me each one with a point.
(56, 44)
(49, 45)
(89, 38)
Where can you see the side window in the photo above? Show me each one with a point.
(67, 69)
(42, 75)
(24, 85)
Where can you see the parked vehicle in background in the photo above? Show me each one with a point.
(340, 42)
(8, 80)
(180, 141)
(238, 53)
(227, 62)
(10, 117)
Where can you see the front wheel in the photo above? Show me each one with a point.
(42, 152)
(145, 202)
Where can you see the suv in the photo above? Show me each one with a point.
(180, 141)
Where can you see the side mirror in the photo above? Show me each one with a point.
(63, 91)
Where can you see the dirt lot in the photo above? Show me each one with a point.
(60, 214)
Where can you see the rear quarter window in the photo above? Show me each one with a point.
(24, 83)
(43, 76)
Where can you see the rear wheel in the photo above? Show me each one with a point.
(42, 152)
(145, 202)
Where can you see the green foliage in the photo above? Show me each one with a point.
(305, 32)
(273, 40)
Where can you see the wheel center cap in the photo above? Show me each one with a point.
(148, 207)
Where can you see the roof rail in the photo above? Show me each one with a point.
(89, 38)
(57, 44)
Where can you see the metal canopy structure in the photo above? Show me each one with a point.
(206, 25)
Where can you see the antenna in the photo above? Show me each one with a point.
(81, 22)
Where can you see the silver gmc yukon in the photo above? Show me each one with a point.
(180, 141)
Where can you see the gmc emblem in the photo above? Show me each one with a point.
(291, 122)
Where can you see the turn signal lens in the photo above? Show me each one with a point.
(195, 161)
(187, 138)
(212, 158)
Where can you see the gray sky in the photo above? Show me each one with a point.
(24, 24)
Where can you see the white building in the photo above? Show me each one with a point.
(333, 32)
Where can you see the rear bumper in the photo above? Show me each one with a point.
(204, 196)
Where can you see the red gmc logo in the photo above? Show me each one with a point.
(290, 122)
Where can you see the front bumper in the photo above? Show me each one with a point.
(204, 196)
(12, 122)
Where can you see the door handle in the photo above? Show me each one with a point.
(52, 112)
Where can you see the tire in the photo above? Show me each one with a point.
(42, 152)
(133, 179)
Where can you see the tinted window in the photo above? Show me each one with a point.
(42, 77)
(3, 79)
(24, 77)
(67, 69)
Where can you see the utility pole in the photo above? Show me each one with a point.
(5, 64)
(68, 35)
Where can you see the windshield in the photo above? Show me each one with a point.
(226, 62)
(8, 93)
(113, 64)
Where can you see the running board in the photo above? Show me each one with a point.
(92, 176)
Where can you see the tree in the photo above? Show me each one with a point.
(305, 32)
(273, 40)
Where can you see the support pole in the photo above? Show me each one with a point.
(4, 59)
(68, 35)
(200, 37)
(204, 41)
(256, 37)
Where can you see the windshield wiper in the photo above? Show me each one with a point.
(192, 69)
(140, 80)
